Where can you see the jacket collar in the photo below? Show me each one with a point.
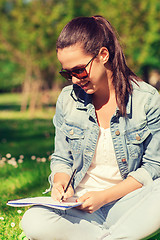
(84, 101)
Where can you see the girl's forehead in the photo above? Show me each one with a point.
(71, 50)
(72, 56)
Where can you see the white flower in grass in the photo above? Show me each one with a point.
(49, 158)
(13, 159)
(38, 159)
(21, 156)
(20, 160)
(8, 155)
(43, 159)
(33, 157)
(10, 162)
(13, 163)
(13, 224)
(3, 159)
(19, 211)
(2, 218)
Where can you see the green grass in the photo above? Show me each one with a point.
(28, 180)
(27, 137)
(22, 134)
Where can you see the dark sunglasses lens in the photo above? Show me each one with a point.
(80, 73)
(66, 75)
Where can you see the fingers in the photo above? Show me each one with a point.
(86, 206)
(83, 198)
(88, 202)
(57, 191)
(69, 193)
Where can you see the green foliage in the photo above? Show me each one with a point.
(29, 29)
(11, 75)
(137, 23)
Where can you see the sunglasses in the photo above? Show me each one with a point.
(79, 72)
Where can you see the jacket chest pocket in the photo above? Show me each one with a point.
(135, 141)
(74, 136)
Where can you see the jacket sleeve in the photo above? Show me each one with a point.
(150, 167)
(61, 160)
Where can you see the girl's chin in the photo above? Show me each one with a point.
(89, 91)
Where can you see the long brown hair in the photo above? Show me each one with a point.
(96, 32)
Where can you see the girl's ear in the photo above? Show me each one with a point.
(104, 55)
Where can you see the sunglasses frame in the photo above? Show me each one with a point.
(70, 74)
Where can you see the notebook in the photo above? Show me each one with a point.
(45, 201)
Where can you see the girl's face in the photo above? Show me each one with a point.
(73, 57)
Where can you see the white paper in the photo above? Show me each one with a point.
(45, 201)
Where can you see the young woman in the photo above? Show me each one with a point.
(108, 128)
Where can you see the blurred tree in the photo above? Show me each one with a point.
(28, 32)
(29, 29)
(11, 72)
(137, 23)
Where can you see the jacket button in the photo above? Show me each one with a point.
(138, 138)
(71, 132)
(123, 160)
(117, 132)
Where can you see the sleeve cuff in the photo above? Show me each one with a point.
(142, 176)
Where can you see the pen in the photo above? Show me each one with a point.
(68, 185)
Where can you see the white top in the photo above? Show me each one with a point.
(103, 172)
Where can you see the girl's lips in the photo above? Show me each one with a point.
(84, 86)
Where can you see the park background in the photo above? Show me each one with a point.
(30, 83)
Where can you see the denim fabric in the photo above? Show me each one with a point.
(133, 217)
(136, 140)
(136, 137)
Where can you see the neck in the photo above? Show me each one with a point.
(104, 95)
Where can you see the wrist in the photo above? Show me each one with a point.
(103, 197)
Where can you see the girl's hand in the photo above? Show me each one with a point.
(92, 201)
(58, 191)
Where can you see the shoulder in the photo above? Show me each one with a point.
(144, 90)
(143, 87)
(65, 94)
(145, 95)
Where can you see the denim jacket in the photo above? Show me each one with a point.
(136, 137)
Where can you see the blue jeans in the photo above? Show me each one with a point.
(133, 217)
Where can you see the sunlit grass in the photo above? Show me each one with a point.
(29, 179)
(26, 143)
(42, 114)
(10, 105)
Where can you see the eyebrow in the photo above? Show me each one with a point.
(75, 67)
